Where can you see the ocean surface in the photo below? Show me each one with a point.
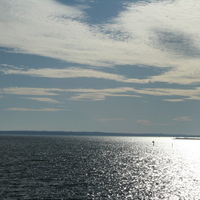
(99, 168)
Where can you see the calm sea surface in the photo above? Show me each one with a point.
(65, 167)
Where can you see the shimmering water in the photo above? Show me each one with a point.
(99, 168)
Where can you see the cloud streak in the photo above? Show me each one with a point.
(183, 119)
(71, 72)
(181, 77)
(90, 94)
(24, 91)
(48, 100)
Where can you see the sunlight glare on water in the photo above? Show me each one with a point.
(99, 168)
(189, 151)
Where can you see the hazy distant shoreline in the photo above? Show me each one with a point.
(85, 133)
(188, 138)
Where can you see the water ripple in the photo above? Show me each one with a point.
(97, 168)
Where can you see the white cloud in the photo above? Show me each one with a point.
(174, 76)
(174, 100)
(83, 94)
(183, 119)
(183, 93)
(101, 94)
(30, 91)
(158, 33)
(50, 29)
(79, 94)
(71, 72)
(88, 97)
(48, 100)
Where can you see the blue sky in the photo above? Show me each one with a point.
(98, 65)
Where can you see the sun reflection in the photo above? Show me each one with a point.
(188, 152)
(190, 148)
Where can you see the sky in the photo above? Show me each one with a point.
(129, 66)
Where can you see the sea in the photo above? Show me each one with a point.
(99, 168)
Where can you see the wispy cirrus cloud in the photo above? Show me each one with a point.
(167, 39)
(183, 119)
(177, 76)
(30, 91)
(99, 95)
(174, 100)
(172, 76)
(89, 94)
(71, 72)
(48, 100)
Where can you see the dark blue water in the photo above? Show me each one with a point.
(97, 168)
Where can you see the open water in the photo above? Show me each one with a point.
(99, 168)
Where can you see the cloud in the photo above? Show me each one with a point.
(30, 91)
(182, 77)
(185, 94)
(79, 94)
(48, 100)
(71, 72)
(174, 100)
(89, 97)
(89, 94)
(155, 33)
(50, 29)
(99, 94)
(183, 119)
(35, 110)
